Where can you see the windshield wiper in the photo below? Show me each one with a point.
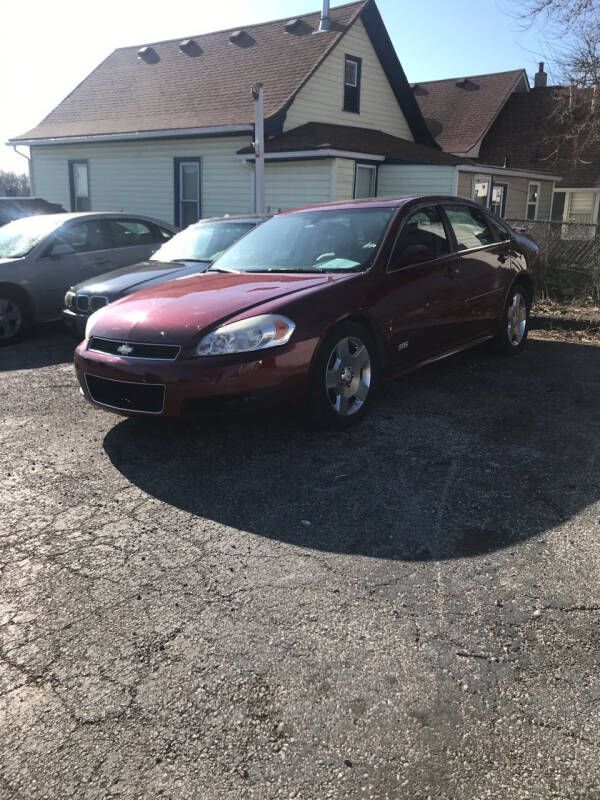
(194, 260)
(223, 269)
(276, 269)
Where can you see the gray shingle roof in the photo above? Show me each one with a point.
(323, 136)
(459, 111)
(206, 84)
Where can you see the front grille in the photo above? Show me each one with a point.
(118, 347)
(147, 398)
(83, 302)
(97, 302)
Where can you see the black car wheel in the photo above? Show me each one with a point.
(344, 378)
(14, 317)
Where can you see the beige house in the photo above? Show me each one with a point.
(166, 129)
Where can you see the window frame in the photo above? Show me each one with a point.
(536, 203)
(452, 253)
(66, 227)
(346, 100)
(375, 177)
(72, 162)
(178, 162)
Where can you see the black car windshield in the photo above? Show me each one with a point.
(336, 240)
(203, 242)
(18, 238)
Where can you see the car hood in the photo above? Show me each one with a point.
(174, 312)
(129, 279)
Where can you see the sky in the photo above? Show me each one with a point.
(46, 49)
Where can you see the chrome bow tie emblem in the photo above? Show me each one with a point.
(125, 349)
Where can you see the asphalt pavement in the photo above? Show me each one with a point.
(254, 609)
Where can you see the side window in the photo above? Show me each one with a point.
(470, 227)
(130, 233)
(352, 70)
(422, 238)
(161, 234)
(500, 232)
(84, 236)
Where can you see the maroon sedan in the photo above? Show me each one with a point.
(313, 308)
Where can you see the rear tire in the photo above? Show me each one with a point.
(15, 318)
(344, 378)
(512, 334)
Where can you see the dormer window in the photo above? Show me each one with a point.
(352, 69)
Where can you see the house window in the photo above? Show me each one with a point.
(482, 185)
(352, 70)
(533, 199)
(187, 191)
(80, 185)
(578, 210)
(365, 180)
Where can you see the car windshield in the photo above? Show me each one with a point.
(310, 241)
(203, 242)
(18, 238)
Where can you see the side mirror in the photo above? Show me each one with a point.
(61, 249)
(416, 254)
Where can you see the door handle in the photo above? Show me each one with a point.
(100, 261)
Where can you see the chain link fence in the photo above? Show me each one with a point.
(572, 259)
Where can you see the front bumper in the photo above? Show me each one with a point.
(193, 387)
(75, 322)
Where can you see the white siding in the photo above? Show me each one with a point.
(343, 179)
(321, 99)
(402, 179)
(293, 184)
(138, 177)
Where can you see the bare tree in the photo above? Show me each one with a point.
(571, 29)
(13, 185)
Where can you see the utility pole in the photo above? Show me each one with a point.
(259, 148)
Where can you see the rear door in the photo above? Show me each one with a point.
(484, 249)
(52, 274)
(420, 303)
(133, 240)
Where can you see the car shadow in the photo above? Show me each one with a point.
(458, 459)
(45, 346)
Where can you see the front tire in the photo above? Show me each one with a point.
(512, 335)
(345, 377)
(15, 319)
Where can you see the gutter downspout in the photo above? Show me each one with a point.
(29, 171)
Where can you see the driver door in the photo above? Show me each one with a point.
(89, 255)
(421, 301)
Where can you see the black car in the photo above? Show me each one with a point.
(12, 208)
(189, 252)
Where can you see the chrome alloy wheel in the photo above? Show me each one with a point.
(11, 318)
(516, 319)
(348, 376)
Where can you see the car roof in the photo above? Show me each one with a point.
(235, 218)
(384, 202)
(65, 217)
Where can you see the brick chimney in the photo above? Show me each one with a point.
(541, 78)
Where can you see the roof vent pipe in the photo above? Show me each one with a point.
(541, 79)
(325, 23)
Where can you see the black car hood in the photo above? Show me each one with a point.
(130, 279)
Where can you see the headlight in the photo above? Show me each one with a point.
(255, 333)
(70, 299)
(91, 322)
